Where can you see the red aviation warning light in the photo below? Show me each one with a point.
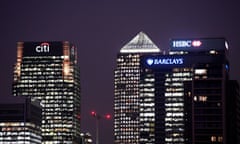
(108, 116)
(196, 43)
(93, 113)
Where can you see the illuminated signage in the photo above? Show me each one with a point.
(164, 61)
(187, 43)
(196, 43)
(54, 48)
(43, 47)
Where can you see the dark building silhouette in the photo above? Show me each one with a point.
(233, 112)
(20, 121)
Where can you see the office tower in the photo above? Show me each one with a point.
(48, 71)
(126, 91)
(20, 122)
(162, 99)
(188, 88)
(208, 89)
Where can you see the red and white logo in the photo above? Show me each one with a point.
(196, 43)
(43, 47)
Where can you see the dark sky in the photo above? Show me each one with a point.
(100, 28)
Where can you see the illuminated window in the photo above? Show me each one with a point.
(202, 98)
(200, 71)
(213, 52)
(195, 98)
(213, 138)
(220, 139)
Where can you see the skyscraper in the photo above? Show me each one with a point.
(180, 97)
(189, 91)
(127, 82)
(48, 71)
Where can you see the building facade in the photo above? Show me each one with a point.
(188, 88)
(20, 122)
(126, 91)
(181, 97)
(233, 112)
(86, 138)
(48, 71)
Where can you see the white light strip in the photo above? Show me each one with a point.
(226, 45)
(139, 50)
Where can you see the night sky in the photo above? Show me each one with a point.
(100, 28)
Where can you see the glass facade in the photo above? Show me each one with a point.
(175, 98)
(49, 72)
(162, 115)
(174, 104)
(185, 103)
(208, 95)
(186, 94)
(147, 116)
(126, 90)
(126, 100)
(20, 123)
(205, 95)
(20, 133)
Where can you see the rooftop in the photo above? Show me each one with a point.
(141, 43)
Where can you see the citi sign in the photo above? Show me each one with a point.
(43, 47)
(164, 61)
(187, 43)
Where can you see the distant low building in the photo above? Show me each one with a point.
(20, 122)
(86, 138)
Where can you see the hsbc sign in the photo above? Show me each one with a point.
(197, 44)
(186, 43)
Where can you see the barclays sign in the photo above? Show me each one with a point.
(164, 61)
